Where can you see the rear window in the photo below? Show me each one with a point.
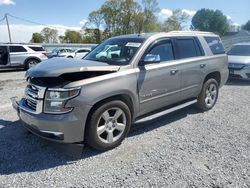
(17, 49)
(215, 45)
(187, 48)
(37, 48)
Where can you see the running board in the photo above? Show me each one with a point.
(168, 111)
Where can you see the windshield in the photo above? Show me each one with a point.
(240, 50)
(117, 51)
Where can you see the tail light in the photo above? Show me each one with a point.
(45, 53)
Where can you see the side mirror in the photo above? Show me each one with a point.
(150, 59)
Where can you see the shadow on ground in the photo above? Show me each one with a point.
(21, 151)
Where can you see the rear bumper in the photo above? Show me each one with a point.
(64, 128)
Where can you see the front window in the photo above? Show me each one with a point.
(240, 50)
(117, 51)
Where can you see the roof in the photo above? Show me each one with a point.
(168, 34)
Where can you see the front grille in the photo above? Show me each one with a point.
(34, 98)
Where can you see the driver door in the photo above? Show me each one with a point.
(159, 83)
(4, 56)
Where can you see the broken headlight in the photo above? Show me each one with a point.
(56, 99)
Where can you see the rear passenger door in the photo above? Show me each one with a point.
(18, 54)
(193, 68)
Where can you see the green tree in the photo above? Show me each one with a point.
(37, 38)
(210, 20)
(176, 21)
(50, 35)
(150, 8)
(247, 26)
(72, 37)
(91, 36)
(95, 21)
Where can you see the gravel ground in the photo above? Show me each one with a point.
(183, 149)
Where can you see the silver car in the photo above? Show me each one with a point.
(62, 52)
(81, 53)
(239, 61)
(97, 99)
(21, 56)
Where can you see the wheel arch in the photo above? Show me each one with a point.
(30, 58)
(124, 97)
(215, 75)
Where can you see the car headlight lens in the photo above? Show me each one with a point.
(56, 99)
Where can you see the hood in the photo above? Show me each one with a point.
(239, 59)
(58, 66)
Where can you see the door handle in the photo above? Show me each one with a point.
(174, 71)
(203, 66)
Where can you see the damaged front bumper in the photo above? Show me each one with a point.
(64, 128)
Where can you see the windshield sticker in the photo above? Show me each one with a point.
(133, 44)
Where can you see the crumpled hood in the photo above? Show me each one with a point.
(57, 66)
(239, 59)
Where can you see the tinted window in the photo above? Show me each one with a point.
(82, 51)
(17, 49)
(215, 45)
(187, 48)
(37, 48)
(164, 49)
(240, 50)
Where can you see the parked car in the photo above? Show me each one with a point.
(81, 53)
(98, 98)
(239, 61)
(62, 52)
(21, 56)
(109, 52)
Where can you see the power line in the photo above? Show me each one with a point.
(2, 19)
(36, 23)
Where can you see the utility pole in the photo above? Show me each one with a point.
(6, 17)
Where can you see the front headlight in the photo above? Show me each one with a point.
(56, 99)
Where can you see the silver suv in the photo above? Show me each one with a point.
(21, 56)
(97, 99)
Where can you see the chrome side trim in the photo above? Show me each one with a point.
(168, 111)
(169, 93)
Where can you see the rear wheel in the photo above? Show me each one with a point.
(31, 63)
(108, 125)
(209, 95)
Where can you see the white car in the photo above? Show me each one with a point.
(81, 53)
(62, 52)
(21, 56)
(239, 61)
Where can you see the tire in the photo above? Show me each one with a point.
(30, 63)
(70, 57)
(208, 96)
(112, 130)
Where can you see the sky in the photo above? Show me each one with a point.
(72, 14)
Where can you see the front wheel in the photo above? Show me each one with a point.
(108, 125)
(209, 95)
